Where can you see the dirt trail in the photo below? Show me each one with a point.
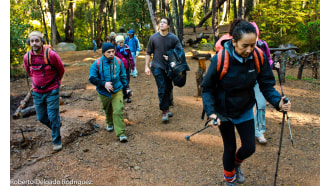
(158, 154)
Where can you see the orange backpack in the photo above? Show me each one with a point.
(223, 60)
(47, 49)
(98, 62)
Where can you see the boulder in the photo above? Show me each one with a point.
(63, 46)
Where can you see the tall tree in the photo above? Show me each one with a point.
(240, 8)
(180, 26)
(215, 20)
(69, 28)
(235, 9)
(86, 18)
(114, 14)
(90, 21)
(43, 21)
(53, 23)
(168, 14)
(152, 16)
(99, 22)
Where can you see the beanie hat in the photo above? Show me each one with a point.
(112, 34)
(119, 38)
(131, 31)
(106, 46)
(256, 27)
(36, 33)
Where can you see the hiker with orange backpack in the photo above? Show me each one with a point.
(108, 74)
(46, 70)
(228, 95)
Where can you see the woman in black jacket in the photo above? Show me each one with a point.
(229, 101)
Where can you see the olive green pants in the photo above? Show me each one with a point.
(114, 111)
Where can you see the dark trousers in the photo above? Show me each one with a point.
(165, 87)
(128, 80)
(248, 147)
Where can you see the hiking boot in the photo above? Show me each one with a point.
(109, 128)
(123, 139)
(239, 174)
(233, 183)
(128, 100)
(170, 114)
(165, 117)
(57, 147)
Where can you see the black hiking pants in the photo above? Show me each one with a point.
(248, 146)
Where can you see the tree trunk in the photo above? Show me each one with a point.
(180, 27)
(209, 13)
(240, 9)
(248, 8)
(99, 23)
(152, 16)
(215, 21)
(53, 23)
(95, 20)
(44, 22)
(69, 28)
(114, 15)
(235, 9)
(91, 23)
(168, 14)
(86, 17)
(224, 12)
(176, 16)
(63, 14)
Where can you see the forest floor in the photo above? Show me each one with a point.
(157, 153)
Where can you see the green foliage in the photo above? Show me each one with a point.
(129, 19)
(19, 30)
(309, 34)
(282, 22)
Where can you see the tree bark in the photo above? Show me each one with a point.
(215, 20)
(69, 28)
(44, 22)
(22, 105)
(248, 8)
(235, 9)
(99, 23)
(90, 23)
(209, 13)
(168, 14)
(86, 17)
(53, 23)
(152, 16)
(180, 27)
(114, 14)
(240, 9)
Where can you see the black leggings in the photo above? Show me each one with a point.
(248, 146)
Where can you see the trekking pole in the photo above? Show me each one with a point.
(285, 101)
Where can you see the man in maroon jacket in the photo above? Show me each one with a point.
(46, 70)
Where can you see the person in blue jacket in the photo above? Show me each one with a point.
(229, 102)
(133, 43)
(109, 77)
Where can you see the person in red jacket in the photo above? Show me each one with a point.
(46, 74)
(124, 53)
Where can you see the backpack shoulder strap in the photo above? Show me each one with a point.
(47, 49)
(223, 62)
(258, 58)
(98, 62)
(118, 60)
